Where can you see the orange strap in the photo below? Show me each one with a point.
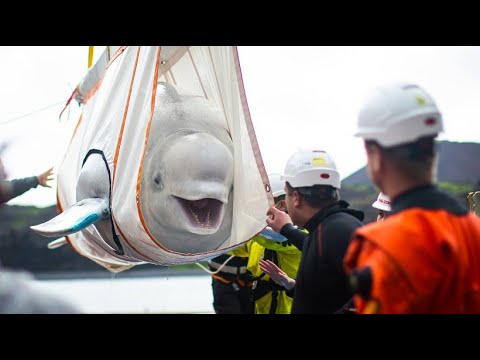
(239, 281)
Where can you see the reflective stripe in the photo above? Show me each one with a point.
(228, 269)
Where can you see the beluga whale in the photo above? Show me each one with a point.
(159, 170)
(187, 177)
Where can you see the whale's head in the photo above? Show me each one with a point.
(186, 193)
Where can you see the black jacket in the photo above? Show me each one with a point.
(10, 189)
(322, 285)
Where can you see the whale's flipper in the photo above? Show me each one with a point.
(57, 243)
(77, 217)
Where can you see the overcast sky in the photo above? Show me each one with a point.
(298, 97)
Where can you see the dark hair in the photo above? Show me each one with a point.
(317, 196)
(415, 158)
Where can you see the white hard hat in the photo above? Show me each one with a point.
(382, 203)
(277, 184)
(311, 167)
(398, 114)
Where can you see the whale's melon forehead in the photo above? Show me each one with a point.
(179, 110)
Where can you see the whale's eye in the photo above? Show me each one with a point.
(157, 179)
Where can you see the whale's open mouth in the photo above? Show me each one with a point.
(203, 214)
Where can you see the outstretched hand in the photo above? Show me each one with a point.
(45, 177)
(277, 274)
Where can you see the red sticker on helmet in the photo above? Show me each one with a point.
(430, 122)
(324, 176)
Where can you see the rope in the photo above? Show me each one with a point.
(30, 113)
(219, 269)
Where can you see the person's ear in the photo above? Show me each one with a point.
(297, 199)
(376, 161)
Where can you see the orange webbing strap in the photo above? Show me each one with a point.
(219, 278)
(239, 281)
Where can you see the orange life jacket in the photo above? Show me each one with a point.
(420, 261)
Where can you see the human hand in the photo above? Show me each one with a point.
(45, 177)
(277, 274)
(276, 219)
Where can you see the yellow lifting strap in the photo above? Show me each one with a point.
(90, 56)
